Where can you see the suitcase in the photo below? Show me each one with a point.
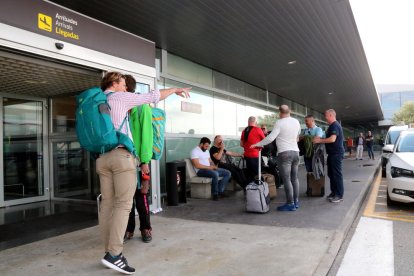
(257, 195)
(270, 180)
(315, 187)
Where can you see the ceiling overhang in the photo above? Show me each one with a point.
(254, 41)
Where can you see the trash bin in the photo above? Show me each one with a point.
(176, 183)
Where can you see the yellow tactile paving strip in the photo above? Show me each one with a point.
(377, 204)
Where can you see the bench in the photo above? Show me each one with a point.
(200, 186)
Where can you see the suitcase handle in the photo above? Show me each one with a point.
(260, 165)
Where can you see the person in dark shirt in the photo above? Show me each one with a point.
(219, 154)
(369, 139)
(334, 143)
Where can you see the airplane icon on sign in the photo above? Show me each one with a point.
(44, 22)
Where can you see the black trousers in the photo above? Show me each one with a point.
(236, 173)
(141, 203)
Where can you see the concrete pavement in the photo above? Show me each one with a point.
(204, 237)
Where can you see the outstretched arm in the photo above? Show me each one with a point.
(182, 92)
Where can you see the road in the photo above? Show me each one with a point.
(381, 239)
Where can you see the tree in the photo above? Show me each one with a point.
(268, 120)
(405, 114)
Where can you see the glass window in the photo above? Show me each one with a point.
(255, 93)
(241, 118)
(391, 101)
(389, 114)
(225, 117)
(190, 116)
(70, 170)
(298, 108)
(272, 99)
(407, 97)
(227, 83)
(22, 148)
(406, 144)
(392, 136)
(188, 70)
(142, 88)
(63, 114)
(286, 102)
(262, 116)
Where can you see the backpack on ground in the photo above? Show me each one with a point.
(158, 126)
(257, 194)
(94, 127)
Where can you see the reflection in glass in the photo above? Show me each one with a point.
(22, 148)
(407, 96)
(241, 118)
(70, 169)
(225, 117)
(391, 101)
(189, 122)
(262, 116)
(142, 88)
(63, 114)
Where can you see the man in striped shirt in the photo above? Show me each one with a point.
(117, 169)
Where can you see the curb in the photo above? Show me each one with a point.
(339, 235)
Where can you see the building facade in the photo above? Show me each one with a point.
(49, 54)
(391, 102)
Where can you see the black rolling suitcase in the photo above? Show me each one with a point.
(315, 187)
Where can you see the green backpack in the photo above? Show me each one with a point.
(94, 127)
(158, 127)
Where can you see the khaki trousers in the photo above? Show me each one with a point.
(118, 180)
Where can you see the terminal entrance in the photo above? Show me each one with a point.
(47, 181)
(40, 156)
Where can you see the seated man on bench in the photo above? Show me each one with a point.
(204, 166)
(218, 154)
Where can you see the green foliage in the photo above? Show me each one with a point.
(268, 120)
(405, 114)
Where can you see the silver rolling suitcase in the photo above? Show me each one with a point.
(257, 194)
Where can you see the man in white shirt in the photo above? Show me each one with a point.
(204, 166)
(286, 132)
(360, 146)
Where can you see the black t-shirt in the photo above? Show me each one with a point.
(338, 146)
(214, 150)
(369, 142)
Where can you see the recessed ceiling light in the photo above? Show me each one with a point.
(292, 62)
(330, 93)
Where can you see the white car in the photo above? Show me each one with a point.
(400, 169)
(390, 139)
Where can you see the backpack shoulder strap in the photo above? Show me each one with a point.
(123, 122)
(246, 133)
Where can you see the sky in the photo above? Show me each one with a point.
(386, 28)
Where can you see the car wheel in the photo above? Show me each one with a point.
(390, 202)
